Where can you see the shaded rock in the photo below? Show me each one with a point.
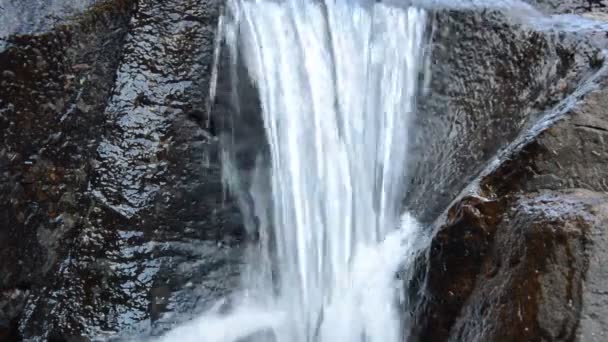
(31, 17)
(535, 273)
(522, 283)
(571, 6)
(491, 79)
(46, 139)
(12, 303)
(113, 221)
(526, 268)
(518, 164)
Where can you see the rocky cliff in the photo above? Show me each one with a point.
(114, 223)
(519, 231)
(111, 205)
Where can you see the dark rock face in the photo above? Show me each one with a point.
(521, 279)
(113, 221)
(517, 255)
(531, 281)
(111, 204)
(34, 17)
(570, 6)
(492, 79)
(46, 125)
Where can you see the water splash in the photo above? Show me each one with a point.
(337, 82)
(363, 311)
(244, 322)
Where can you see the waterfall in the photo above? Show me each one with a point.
(337, 82)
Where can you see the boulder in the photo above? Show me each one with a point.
(492, 78)
(518, 254)
(113, 221)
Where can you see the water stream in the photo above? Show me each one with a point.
(337, 82)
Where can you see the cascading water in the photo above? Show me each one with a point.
(337, 82)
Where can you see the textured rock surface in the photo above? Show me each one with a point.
(111, 206)
(570, 6)
(518, 255)
(113, 221)
(48, 80)
(491, 80)
(34, 17)
(523, 278)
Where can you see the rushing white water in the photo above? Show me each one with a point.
(337, 81)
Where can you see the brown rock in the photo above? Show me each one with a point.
(528, 267)
(539, 259)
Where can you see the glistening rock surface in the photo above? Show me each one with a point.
(111, 206)
(519, 271)
(491, 79)
(570, 6)
(112, 217)
(518, 255)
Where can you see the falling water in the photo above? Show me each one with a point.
(337, 82)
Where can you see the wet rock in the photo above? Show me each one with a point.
(11, 305)
(523, 282)
(526, 268)
(31, 17)
(113, 221)
(44, 140)
(570, 6)
(520, 166)
(491, 79)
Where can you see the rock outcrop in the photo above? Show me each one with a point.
(518, 272)
(518, 254)
(570, 6)
(114, 223)
(111, 204)
(492, 78)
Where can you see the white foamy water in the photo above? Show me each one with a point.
(337, 81)
(362, 310)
